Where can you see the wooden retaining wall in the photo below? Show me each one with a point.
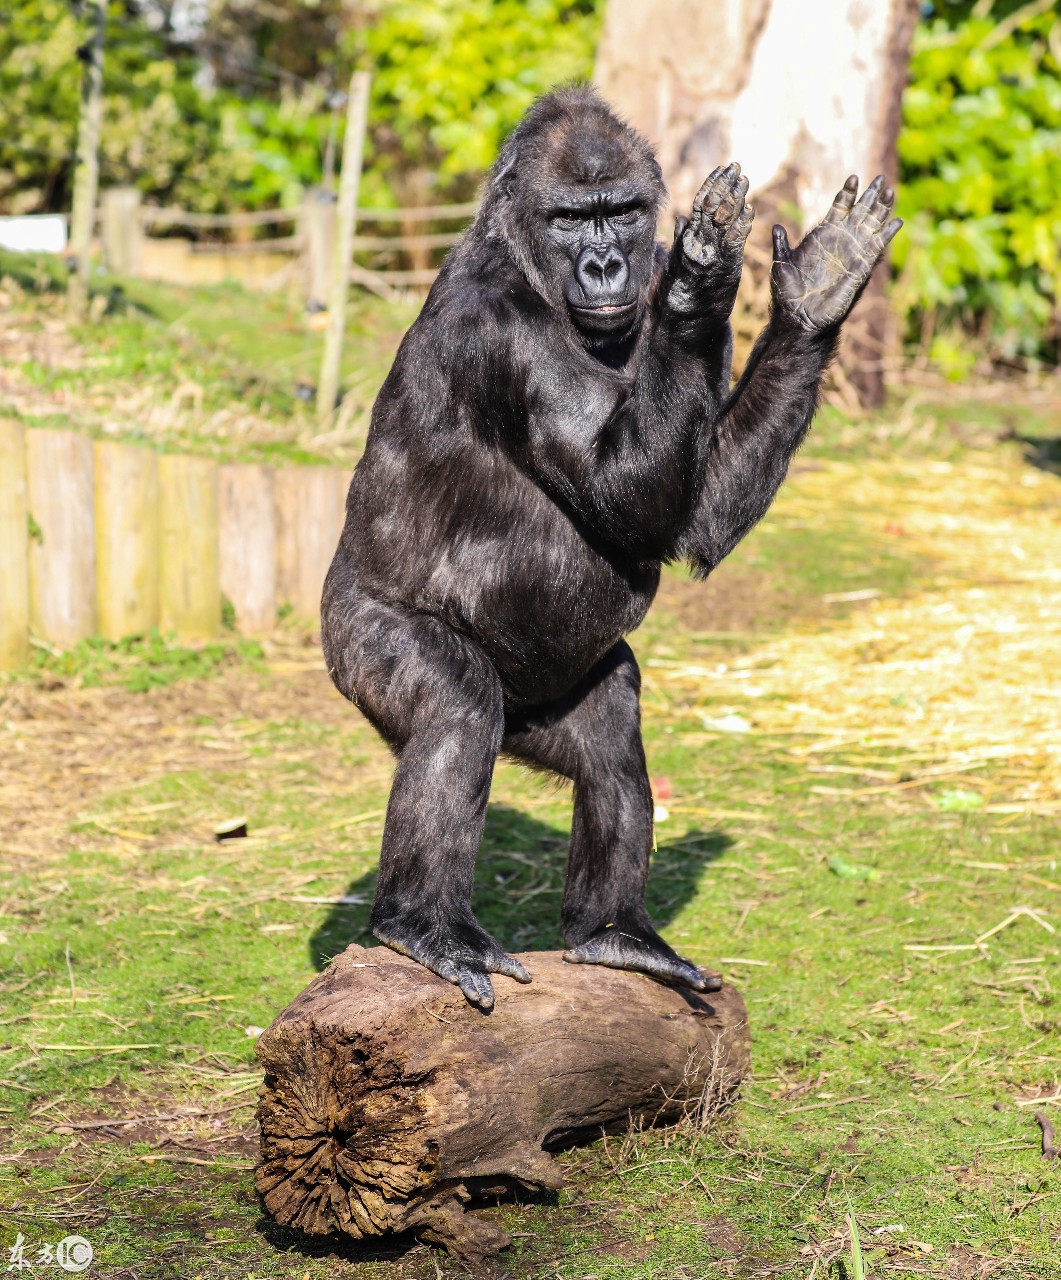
(107, 539)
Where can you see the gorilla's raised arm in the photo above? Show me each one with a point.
(814, 288)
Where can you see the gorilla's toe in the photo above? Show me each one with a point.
(460, 951)
(616, 948)
(477, 987)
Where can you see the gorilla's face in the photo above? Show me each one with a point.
(575, 195)
(600, 246)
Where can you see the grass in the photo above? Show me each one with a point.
(137, 663)
(218, 371)
(844, 836)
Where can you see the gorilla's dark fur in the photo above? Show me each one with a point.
(557, 423)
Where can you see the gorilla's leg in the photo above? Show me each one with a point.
(436, 699)
(593, 737)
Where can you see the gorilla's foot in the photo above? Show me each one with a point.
(617, 947)
(461, 952)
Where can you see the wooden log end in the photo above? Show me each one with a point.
(390, 1104)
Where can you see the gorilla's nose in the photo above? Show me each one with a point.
(602, 273)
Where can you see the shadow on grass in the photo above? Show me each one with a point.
(519, 885)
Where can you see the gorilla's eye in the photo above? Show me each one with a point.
(625, 217)
(568, 219)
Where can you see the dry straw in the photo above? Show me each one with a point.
(964, 674)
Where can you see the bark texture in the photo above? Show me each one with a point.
(389, 1103)
(800, 95)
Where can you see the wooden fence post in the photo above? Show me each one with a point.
(86, 169)
(247, 532)
(14, 548)
(62, 555)
(190, 589)
(310, 507)
(317, 229)
(121, 230)
(127, 539)
(349, 182)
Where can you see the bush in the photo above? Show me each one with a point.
(980, 154)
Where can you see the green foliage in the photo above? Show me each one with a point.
(452, 77)
(981, 181)
(162, 132)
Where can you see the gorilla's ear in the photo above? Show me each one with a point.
(503, 182)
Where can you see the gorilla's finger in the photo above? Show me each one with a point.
(680, 224)
(738, 232)
(722, 191)
(869, 197)
(883, 207)
(781, 245)
(845, 198)
(732, 202)
(705, 187)
(889, 232)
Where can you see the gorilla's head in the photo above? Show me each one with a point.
(574, 195)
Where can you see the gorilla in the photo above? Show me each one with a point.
(559, 422)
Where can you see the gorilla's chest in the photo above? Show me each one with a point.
(550, 606)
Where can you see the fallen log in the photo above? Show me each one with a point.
(389, 1103)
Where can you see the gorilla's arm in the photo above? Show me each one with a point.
(631, 468)
(765, 419)
(624, 454)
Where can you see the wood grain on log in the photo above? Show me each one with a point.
(389, 1103)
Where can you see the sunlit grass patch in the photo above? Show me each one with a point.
(842, 835)
(139, 663)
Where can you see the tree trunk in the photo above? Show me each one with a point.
(389, 1103)
(761, 81)
(869, 334)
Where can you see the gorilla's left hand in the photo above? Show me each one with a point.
(817, 283)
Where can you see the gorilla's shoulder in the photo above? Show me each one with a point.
(480, 290)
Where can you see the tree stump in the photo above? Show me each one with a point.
(389, 1103)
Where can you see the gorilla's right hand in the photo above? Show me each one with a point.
(715, 234)
(817, 283)
(708, 251)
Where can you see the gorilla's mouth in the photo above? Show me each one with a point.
(605, 315)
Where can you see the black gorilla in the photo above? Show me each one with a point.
(558, 422)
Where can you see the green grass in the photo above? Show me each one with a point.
(138, 663)
(216, 370)
(881, 1128)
